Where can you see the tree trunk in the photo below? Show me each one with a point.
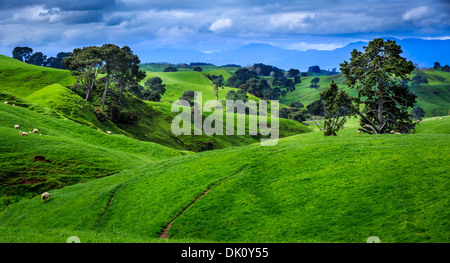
(380, 115)
(106, 91)
(120, 94)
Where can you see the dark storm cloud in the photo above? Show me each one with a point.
(219, 24)
(71, 5)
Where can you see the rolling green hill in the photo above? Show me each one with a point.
(179, 82)
(433, 97)
(47, 87)
(391, 186)
(65, 154)
(131, 185)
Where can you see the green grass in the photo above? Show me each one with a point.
(433, 97)
(51, 96)
(308, 188)
(23, 79)
(74, 153)
(179, 82)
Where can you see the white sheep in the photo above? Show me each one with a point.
(16, 126)
(45, 196)
(23, 133)
(109, 132)
(6, 102)
(40, 134)
(35, 131)
(394, 132)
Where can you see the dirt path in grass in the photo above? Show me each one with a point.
(165, 232)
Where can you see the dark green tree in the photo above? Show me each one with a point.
(84, 63)
(316, 108)
(197, 68)
(237, 95)
(38, 59)
(293, 73)
(418, 113)
(314, 82)
(188, 96)
(129, 71)
(314, 69)
(22, 53)
(170, 69)
(379, 75)
(155, 85)
(437, 66)
(217, 84)
(335, 101)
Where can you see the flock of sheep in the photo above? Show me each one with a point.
(17, 127)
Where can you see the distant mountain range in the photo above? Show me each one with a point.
(420, 51)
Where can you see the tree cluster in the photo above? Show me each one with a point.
(25, 54)
(437, 66)
(119, 67)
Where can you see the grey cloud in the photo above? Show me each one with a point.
(62, 5)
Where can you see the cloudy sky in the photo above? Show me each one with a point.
(52, 26)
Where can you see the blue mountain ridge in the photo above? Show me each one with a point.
(420, 51)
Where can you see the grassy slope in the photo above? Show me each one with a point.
(45, 87)
(434, 95)
(75, 152)
(23, 79)
(308, 188)
(178, 82)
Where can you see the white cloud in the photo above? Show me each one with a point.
(416, 13)
(173, 31)
(291, 20)
(221, 24)
(302, 46)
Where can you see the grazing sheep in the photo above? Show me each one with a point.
(45, 196)
(40, 134)
(359, 131)
(6, 102)
(440, 118)
(35, 131)
(14, 105)
(16, 126)
(23, 133)
(394, 132)
(109, 132)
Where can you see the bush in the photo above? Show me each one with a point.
(170, 69)
(101, 116)
(130, 117)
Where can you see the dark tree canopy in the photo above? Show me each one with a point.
(293, 73)
(437, 65)
(37, 59)
(419, 79)
(188, 96)
(22, 53)
(156, 88)
(197, 68)
(418, 113)
(237, 95)
(335, 101)
(316, 108)
(241, 76)
(170, 69)
(314, 69)
(379, 74)
(314, 82)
